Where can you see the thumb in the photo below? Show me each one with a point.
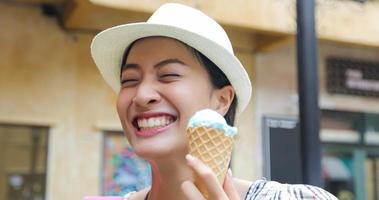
(229, 188)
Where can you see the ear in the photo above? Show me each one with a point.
(222, 98)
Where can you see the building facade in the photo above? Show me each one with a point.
(58, 123)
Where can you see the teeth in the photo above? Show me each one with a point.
(144, 123)
(157, 122)
(154, 122)
(150, 122)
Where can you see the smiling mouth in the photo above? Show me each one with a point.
(157, 122)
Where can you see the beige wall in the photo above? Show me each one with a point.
(244, 162)
(47, 78)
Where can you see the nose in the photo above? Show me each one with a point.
(146, 95)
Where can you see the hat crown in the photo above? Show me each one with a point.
(192, 20)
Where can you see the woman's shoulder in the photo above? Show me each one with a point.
(242, 187)
(263, 189)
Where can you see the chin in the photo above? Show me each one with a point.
(160, 150)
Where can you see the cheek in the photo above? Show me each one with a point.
(122, 106)
(123, 103)
(190, 97)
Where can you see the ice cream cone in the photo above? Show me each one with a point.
(213, 148)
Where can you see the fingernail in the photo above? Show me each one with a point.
(190, 158)
(230, 172)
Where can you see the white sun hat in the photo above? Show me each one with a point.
(180, 22)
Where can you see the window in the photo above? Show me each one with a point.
(23, 162)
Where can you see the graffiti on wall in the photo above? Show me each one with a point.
(123, 171)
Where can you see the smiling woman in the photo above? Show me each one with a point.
(160, 88)
(216, 76)
(179, 62)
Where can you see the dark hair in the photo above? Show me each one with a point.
(217, 77)
(218, 80)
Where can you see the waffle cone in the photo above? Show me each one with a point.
(213, 148)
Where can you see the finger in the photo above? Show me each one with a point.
(190, 191)
(229, 188)
(207, 177)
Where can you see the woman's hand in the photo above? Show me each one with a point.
(209, 179)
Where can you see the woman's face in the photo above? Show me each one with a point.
(162, 85)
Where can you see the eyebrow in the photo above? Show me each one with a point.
(158, 65)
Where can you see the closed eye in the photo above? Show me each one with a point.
(128, 82)
(170, 75)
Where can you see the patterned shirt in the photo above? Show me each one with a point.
(271, 190)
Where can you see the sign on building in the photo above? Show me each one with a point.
(354, 77)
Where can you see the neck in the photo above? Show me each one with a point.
(167, 177)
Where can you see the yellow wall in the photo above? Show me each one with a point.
(244, 163)
(47, 78)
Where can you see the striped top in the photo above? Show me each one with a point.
(267, 190)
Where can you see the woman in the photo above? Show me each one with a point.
(178, 62)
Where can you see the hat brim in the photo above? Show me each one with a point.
(108, 47)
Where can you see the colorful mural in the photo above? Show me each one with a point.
(123, 170)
